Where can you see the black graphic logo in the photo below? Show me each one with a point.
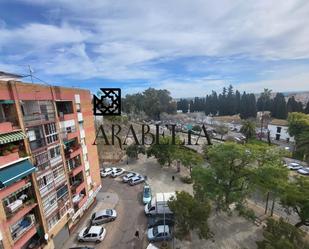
(108, 103)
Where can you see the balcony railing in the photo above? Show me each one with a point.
(21, 227)
(46, 188)
(39, 117)
(14, 207)
(65, 133)
(70, 149)
(74, 163)
(59, 179)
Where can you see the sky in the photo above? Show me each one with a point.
(188, 47)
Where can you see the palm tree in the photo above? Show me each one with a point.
(248, 129)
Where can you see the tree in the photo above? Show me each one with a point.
(298, 126)
(248, 129)
(227, 180)
(295, 197)
(280, 234)
(264, 101)
(188, 157)
(307, 108)
(293, 105)
(279, 109)
(190, 214)
(133, 150)
(222, 130)
(165, 151)
(270, 179)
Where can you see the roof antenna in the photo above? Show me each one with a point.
(30, 71)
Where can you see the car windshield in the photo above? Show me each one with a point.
(109, 211)
(147, 192)
(155, 231)
(149, 205)
(102, 229)
(87, 230)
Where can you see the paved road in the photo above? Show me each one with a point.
(119, 233)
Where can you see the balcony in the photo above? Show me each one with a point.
(72, 149)
(69, 133)
(39, 118)
(20, 228)
(8, 118)
(77, 186)
(74, 163)
(37, 144)
(11, 152)
(65, 110)
(59, 180)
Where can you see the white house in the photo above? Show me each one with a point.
(279, 130)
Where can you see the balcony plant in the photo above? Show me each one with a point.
(6, 152)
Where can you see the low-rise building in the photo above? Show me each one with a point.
(278, 129)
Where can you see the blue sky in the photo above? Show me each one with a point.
(187, 47)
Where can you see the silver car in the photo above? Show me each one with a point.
(304, 171)
(103, 216)
(129, 176)
(294, 166)
(136, 180)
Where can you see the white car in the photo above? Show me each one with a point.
(128, 176)
(92, 234)
(106, 172)
(117, 172)
(304, 171)
(294, 166)
(136, 180)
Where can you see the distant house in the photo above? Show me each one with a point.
(279, 130)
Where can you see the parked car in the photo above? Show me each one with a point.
(129, 176)
(117, 172)
(304, 171)
(136, 180)
(92, 234)
(146, 194)
(160, 220)
(106, 172)
(294, 166)
(103, 216)
(159, 233)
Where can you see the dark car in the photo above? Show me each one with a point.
(157, 221)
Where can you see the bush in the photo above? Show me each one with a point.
(245, 212)
(186, 179)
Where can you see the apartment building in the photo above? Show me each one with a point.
(49, 169)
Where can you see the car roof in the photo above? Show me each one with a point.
(95, 229)
(294, 164)
(136, 178)
(101, 212)
(162, 230)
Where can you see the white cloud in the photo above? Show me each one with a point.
(122, 40)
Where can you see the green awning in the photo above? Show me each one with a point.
(15, 172)
(11, 137)
(7, 101)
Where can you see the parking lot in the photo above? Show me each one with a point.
(131, 218)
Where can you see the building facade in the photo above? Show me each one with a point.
(49, 169)
(278, 129)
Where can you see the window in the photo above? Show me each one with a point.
(62, 191)
(51, 133)
(78, 107)
(54, 152)
(49, 201)
(53, 220)
(278, 129)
